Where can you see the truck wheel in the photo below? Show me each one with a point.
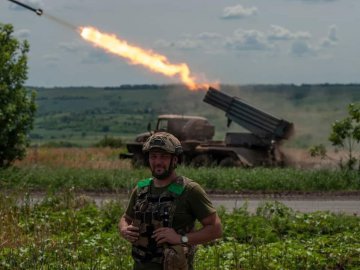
(228, 162)
(200, 161)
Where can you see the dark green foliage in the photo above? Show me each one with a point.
(111, 142)
(346, 134)
(60, 144)
(17, 107)
(62, 232)
(219, 179)
(119, 111)
(318, 150)
(66, 231)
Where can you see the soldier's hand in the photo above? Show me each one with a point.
(166, 235)
(130, 233)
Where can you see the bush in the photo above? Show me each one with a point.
(17, 108)
(110, 142)
(60, 144)
(346, 135)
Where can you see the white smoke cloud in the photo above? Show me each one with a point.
(238, 12)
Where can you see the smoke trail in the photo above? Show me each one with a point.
(60, 21)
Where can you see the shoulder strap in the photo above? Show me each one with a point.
(178, 186)
(143, 186)
(144, 183)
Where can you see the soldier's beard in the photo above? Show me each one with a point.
(165, 174)
(161, 176)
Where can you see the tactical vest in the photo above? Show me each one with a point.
(152, 212)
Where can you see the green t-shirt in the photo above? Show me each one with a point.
(193, 204)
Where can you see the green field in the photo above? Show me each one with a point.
(228, 180)
(84, 115)
(69, 232)
(66, 231)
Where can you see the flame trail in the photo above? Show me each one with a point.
(138, 56)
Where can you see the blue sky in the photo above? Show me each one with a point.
(233, 42)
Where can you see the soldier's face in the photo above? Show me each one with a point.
(161, 163)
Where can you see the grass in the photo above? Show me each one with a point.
(89, 158)
(100, 169)
(212, 179)
(68, 232)
(65, 231)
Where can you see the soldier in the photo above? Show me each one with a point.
(160, 217)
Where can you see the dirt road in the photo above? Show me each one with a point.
(348, 203)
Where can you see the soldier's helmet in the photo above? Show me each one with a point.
(163, 141)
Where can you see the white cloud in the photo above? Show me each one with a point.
(331, 38)
(247, 40)
(332, 35)
(302, 48)
(317, 1)
(297, 43)
(187, 44)
(161, 43)
(277, 32)
(238, 12)
(209, 36)
(181, 44)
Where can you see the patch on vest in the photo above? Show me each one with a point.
(144, 183)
